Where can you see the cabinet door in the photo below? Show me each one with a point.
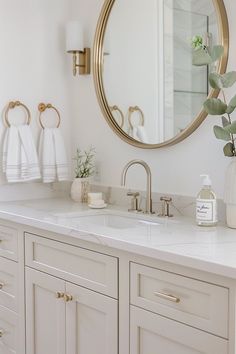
(9, 332)
(91, 322)
(152, 334)
(45, 314)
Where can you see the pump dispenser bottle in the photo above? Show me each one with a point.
(206, 206)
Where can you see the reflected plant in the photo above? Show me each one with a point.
(85, 166)
(203, 55)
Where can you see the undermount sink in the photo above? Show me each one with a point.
(115, 221)
(110, 219)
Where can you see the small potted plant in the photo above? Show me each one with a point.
(84, 169)
(203, 55)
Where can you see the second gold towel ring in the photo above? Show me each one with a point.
(116, 108)
(131, 111)
(42, 107)
(12, 105)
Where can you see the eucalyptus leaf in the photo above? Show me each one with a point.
(229, 150)
(215, 106)
(231, 128)
(225, 121)
(201, 57)
(215, 81)
(232, 105)
(228, 79)
(221, 133)
(216, 52)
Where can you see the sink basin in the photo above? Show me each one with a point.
(113, 221)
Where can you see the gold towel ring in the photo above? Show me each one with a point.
(116, 108)
(12, 105)
(131, 111)
(42, 107)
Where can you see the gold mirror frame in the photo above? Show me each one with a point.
(223, 28)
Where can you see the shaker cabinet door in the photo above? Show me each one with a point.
(91, 322)
(45, 314)
(153, 334)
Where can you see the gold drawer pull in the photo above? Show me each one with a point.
(168, 297)
(2, 285)
(68, 297)
(1, 333)
(60, 295)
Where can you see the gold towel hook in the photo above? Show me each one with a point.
(116, 108)
(131, 111)
(12, 105)
(42, 108)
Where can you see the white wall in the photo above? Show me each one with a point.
(34, 65)
(175, 169)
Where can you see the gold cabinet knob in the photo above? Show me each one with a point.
(60, 295)
(1, 285)
(68, 297)
(1, 333)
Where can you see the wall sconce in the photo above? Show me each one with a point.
(75, 46)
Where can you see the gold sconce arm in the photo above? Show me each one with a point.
(81, 61)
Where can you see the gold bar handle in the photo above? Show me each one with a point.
(68, 297)
(168, 297)
(1, 333)
(59, 295)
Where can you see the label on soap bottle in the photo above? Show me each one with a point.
(206, 210)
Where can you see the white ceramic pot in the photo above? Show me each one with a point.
(230, 194)
(80, 189)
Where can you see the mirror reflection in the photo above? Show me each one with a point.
(153, 90)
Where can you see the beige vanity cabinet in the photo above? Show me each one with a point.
(151, 334)
(67, 318)
(172, 313)
(11, 298)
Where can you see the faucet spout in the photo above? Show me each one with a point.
(149, 181)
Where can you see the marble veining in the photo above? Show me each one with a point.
(176, 240)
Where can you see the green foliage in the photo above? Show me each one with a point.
(84, 163)
(232, 105)
(215, 106)
(225, 121)
(202, 55)
(218, 81)
(229, 150)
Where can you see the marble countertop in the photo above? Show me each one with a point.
(177, 240)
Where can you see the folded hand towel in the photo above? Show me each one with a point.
(53, 156)
(20, 161)
(29, 158)
(61, 159)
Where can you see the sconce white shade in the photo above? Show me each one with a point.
(74, 37)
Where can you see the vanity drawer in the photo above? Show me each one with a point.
(8, 284)
(8, 242)
(193, 302)
(87, 268)
(9, 329)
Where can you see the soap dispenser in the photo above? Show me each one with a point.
(206, 206)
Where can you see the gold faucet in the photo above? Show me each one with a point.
(149, 181)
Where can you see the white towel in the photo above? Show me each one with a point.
(142, 134)
(139, 133)
(52, 155)
(20, 161)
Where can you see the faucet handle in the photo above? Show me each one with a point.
(166, 206)
(134, 201)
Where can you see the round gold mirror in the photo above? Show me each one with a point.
(143, 67)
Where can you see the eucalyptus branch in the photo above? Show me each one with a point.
(203, 55)
(84, 163)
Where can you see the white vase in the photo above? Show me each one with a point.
(230, 194)
(80, 189)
